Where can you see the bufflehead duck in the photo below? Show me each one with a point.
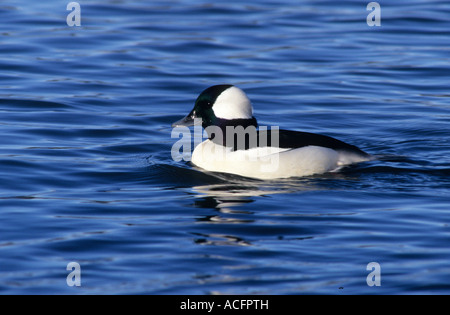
(236, 146)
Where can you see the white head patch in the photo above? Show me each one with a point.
(233, 104)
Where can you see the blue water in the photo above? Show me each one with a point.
(86, 173)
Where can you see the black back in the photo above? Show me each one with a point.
(285, 139)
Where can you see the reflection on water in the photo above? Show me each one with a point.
(219, 240)
(235, 190)
(231, 202)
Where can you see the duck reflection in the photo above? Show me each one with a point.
(228, 200)
(236, 204)
(219, 239)
(234, 200)
(237, 192)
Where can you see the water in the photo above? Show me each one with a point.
(87, 176)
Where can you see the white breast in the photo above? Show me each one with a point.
(268, 163)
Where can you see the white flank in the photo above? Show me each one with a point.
(265, 163)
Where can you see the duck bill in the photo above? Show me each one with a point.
(189, 120)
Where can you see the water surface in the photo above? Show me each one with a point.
(87, 175)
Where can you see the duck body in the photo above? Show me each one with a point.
(236, 145)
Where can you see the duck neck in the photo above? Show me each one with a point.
(225, 131)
